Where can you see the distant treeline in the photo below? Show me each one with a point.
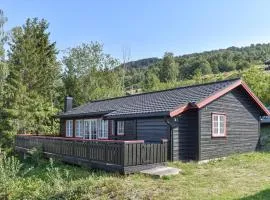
(178, 68)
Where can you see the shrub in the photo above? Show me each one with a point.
(9, 169)
(36, 155)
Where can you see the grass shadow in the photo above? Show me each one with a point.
(262, 195)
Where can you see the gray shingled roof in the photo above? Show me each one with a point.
(158, 103)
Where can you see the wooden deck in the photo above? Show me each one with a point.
(109, 155)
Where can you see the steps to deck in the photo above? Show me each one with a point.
(161, 171)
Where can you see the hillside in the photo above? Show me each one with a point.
(154, 74)
(142, 63)
(254, 52)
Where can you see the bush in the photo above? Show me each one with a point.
(36, 155)
(9, 169)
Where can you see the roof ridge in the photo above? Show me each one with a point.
(176, 88)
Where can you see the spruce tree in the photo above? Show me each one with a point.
(33, 80)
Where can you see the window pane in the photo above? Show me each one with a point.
(218, 124)
(105, 129)
(77, 128)
(120, 127)
(215, 124)
(69, 128)
(81, 128)
(221, 130)
(215, 131)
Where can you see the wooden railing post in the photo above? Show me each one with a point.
(165, 150)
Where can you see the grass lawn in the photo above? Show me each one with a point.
(245, 176)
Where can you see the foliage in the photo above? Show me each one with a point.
(34, 77)
(238, 176)
(205, 63)
(150, 81)
(4, 72)
(259, 82)
(36, 155)
(169, 69)
(3, 66)
(9, 170)
(89, 73)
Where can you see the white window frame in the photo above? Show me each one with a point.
(120, 127)
(219, 121)
(69, 128)
(104, 129)
(101, 128)
(112, 124)
(79, 128)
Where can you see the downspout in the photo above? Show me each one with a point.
(167, 121)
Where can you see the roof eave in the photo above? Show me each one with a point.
(93, 114)
(218, 94)
(138, 115)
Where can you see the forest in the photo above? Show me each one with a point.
(34, 80)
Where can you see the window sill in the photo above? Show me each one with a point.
(217, 137)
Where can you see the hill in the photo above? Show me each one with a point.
(142, 63)
(257, 53)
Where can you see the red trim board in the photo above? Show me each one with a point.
(219, 94)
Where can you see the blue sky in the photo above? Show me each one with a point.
(148, 28)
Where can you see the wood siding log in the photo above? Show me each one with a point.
(242, 126)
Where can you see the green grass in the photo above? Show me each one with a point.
(245, 176)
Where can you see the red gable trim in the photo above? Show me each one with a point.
(181, 110)
(219, 94)
(256, 99)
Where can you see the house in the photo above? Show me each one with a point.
(267, 65)
(200, 122)
(265, 132)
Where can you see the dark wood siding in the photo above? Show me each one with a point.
(242, 125)
(129, 130)
(152, 130)
(185, 137)
(62, 127)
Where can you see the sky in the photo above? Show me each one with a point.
(147, 28)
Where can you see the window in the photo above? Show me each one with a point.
(90, 128)
(120, 127)
(218, 125)
(104, 129)
(69, 128)
(112, 124)
(79, 131)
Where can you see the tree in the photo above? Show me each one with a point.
(241, 65)
(259, 82)
(151, 80)
(3, 66)
(169, 68)
(4, 71)
(90, 74)
(33, 80)
(194, 66)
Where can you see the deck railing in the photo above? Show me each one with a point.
(112, 155)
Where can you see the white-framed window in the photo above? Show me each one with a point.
(104, 129)
(69, 128)
(218, 125)
(120, 127)
(112, 123)
(79, 128)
